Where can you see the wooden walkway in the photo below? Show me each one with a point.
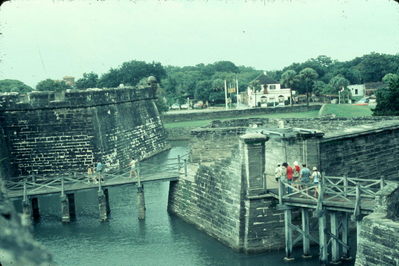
(55, 186)
(334, 193)
(43, 185)
(333, 197)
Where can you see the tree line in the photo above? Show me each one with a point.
(320, 76)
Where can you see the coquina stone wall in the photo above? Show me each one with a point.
(378, 242)
(368, 151)
(224, 193)
(219, 156)
(48, 133)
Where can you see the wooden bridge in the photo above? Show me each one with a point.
(28, 188)
(335, 197)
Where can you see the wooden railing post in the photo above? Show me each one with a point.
(345, 185)
(178, 162)
(382, 182)
(281, 190)
(99, 183)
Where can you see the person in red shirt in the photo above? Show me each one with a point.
(289, 174)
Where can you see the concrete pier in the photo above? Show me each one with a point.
(102, 205)
(68, 211)
(140, 203)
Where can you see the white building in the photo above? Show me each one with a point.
(357, 90)
(269, 95)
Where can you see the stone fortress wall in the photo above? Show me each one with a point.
(49, 133)
(221, 159)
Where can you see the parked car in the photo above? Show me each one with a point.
(184, 106)
(363, 101)
(174, 106)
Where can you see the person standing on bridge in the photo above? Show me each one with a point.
(278, 172)
(99, 171)
(316, 176)
(289, 173)
(304, 176)
(133, 168)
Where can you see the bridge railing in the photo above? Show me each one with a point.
(33, 183)
(344, 188)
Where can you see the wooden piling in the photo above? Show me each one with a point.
(323, 255)
(334, 229)
(288, 235)
(305, 235)
(345, 236)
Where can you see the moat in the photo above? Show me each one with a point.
(161, 239)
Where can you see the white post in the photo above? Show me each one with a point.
(237, 91)
(339, 97)
(225, 94)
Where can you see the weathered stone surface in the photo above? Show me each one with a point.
(17, 246)
(45, 136)
(206, 200)
(378, 242)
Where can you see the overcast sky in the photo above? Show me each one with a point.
(51, 39)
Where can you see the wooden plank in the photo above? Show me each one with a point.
(69, 187)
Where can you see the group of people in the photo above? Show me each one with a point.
(95, 174)
(297, 175)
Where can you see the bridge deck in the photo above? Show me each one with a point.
(366, 206)
(55, 186)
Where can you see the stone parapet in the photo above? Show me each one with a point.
(36, 100)
(378, 242)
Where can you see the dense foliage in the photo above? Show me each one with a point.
(388, 97)
(320, 76)
(52, 85)
(12, 85)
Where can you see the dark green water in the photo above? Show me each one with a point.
(161, 239)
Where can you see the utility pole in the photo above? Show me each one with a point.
(237, 91)
(225, 94)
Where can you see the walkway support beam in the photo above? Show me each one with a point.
(305, 229)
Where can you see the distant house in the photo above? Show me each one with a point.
(69, 80)
(371, 87)
(357, 90)
(268, 95)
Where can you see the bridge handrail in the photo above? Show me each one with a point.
(346, 188)
(35, 182)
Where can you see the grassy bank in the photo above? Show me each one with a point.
(340, 110)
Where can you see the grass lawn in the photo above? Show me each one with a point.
(347, 110)
(340, 110)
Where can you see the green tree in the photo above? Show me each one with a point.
(307, 77)
(339, 82)
(89, 80)
(289, 79)
(52, 85)
(13, 85)
(130, 73)
(388, 97)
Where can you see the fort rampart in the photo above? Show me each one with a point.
(50, 132)
(225, 192)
